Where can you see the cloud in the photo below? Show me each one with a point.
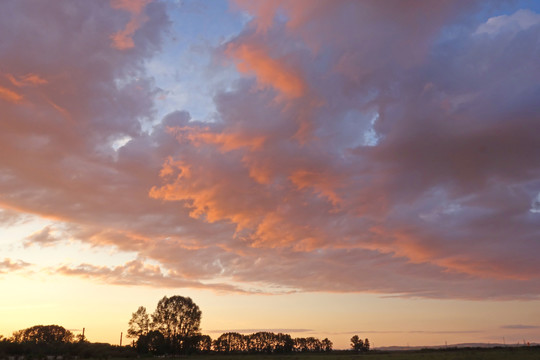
(43, 237)
(10, 266)
(269, 71)
(26, 80)
(520, 20)
(520, 327)
(138, 273)
(123, 39)
(412, 332)
(10, 217)
(10, 96)
(405, 150)
(535, 206)
(441, 149)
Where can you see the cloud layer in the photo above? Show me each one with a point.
(366, 147)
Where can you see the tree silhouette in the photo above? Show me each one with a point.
(358, 345)
(262, 342)
(366, 344)
(204, 343)
(231, 342)
(283, 343)
(326, 345)
(153, 342)
(300, 344)
(175, 329)
(139, 323)
(41, 334)
(178, 318)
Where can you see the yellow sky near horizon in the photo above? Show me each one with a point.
(104, 310)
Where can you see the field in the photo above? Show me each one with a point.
(509, 353)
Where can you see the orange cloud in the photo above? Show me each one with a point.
(61, 110)
(206, 190)
(133, 6)
(123, 39)
(484, 268)
(10, 96)
(275, 231)
(269, 71)
(258, 172)
(228, 142)
(172, 167)
(225, 141)
(323, 184)
(402, 243)
(408, 244)
(26, 80)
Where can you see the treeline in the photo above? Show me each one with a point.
(360, 345)
(173, 328)
(232, 342)
(268, 342)
(54, 341)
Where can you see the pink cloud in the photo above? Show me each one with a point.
(360, 138)
(43, 237)
(138, 273)
(10, 266)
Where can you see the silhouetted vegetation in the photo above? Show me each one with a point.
(173, 328)
(359, 345)
(268, 342)
(54, 341)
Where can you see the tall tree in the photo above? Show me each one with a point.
(326, 344)
(366, 345)
(178, 318)
(139, 323)
(356, 343)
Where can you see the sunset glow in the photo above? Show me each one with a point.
(320, 168)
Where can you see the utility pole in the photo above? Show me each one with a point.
(121, 338)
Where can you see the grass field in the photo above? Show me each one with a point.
(509, 353)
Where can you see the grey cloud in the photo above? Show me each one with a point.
(138, 273)
(520, 327)
(411, 332)
(251, 331)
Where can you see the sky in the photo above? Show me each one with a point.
(321, 168)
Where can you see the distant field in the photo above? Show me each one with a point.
(522, 353)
